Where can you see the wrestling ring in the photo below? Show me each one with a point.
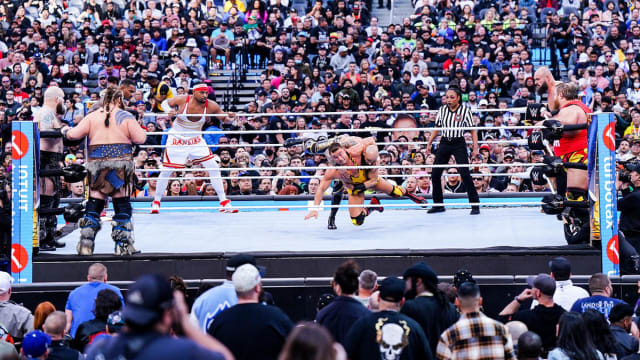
(193, 224)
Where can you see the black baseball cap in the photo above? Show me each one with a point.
(462, 276)
(544, 283)
(423, 271)
(147, 298)
(392, 289)
(238, 260)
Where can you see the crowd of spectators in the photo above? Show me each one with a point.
(414, 316)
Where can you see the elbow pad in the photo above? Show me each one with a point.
(165, 106)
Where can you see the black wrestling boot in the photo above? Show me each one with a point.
(436, 209)
(475, 210)
(332, 223)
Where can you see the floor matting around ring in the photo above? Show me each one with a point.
(210, 231)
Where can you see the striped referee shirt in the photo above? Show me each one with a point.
(460, 118)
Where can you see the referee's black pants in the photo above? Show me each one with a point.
(458, 148)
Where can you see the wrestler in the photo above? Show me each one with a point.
(111, 132)
(572, 182)
(545, 83)
(572, 147)
(181, 147)
(357, 181)
(51, 158)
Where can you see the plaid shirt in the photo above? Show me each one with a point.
(475, 336)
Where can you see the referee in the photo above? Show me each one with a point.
(453, 115)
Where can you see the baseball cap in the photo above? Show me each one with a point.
(35, 344)
(245, 278)
(192, 42)
(544, 283)
(383, 152)
(146, 299)
(420, 174)
(392, 289)
(485, 147)
(5, 282)
(238, 260)
(560, 267)
(70, 157)
(115, 321)
(419, 83)
(462, 276)
(423, 271)
(140, 102)
(343, 48)
(483, 102)
(304, 33)
(509, 155)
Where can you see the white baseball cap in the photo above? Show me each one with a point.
(5, 282)
(245, 278)
(192, 42)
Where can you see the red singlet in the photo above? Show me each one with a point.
(569, 144)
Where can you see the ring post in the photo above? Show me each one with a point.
(607, 206)
(23, 207)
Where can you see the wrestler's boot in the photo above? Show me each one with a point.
(374, 201)
(576, 219)
(122, 235)
(48, 224)
(398, 192)
(122, 227)
(337, 195)
(89, 226)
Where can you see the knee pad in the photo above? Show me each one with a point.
(358, 220)
(574, 194)
(396, 192)
(122, 206)
(95, 206)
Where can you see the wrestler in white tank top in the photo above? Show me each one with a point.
(182, 123)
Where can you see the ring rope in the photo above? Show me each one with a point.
(516, 142)
(444, 166)
(312, 113)
(322, 206)
(523, 175)
(264, 131)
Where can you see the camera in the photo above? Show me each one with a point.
(626, 169)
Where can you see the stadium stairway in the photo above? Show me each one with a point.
(222, 82)
(401, 9)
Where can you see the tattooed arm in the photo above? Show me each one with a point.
(47, 120)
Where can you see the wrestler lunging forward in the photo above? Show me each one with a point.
(111, 132)
(356, 152)
(182, 146)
